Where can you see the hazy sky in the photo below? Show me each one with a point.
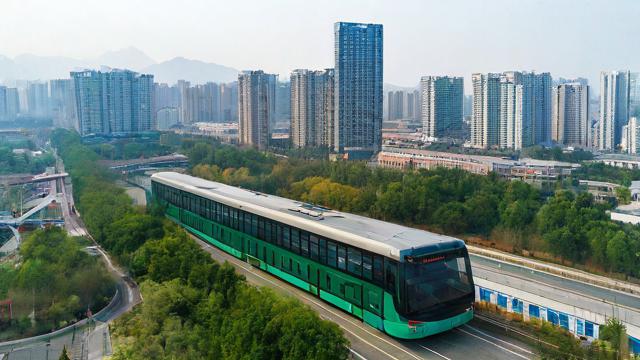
(569, 38)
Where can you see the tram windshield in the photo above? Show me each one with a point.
(435, 279)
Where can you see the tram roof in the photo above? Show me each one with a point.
(384, 238)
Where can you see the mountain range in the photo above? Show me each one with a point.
(34, 67)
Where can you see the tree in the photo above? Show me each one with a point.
(623, 195)
(452, 218)
(615, 333)
(64, 355)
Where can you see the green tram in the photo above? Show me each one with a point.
(406, 282)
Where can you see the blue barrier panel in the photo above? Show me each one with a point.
(634, 345)
(534, 311)
(516, 306)
(485, 295)
(552, 317)
(579, 327)
(588, 328)
(502, 301)
(564, 321)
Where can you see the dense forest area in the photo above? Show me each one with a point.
(571, 226)
(56, 280)
(193, 307)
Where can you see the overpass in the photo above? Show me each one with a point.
(173, 160)
(30, 179)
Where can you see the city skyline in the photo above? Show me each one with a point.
(414, 31)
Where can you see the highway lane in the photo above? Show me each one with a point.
(606, 302)
(467, 342)
(594, 291)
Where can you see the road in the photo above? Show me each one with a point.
(604, 301)
(467, 342)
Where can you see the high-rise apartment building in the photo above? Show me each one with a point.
(229, 102)
(311, 108)
(62, 103)
(485, 118)
(634, 94)
(630, 142)
(167, 117)
(116, 102)
(442, 98)
(3, 103)
(12, 108)
(256, 107)
(38, 99)
(614, 108)
(521, 102)
(396, 105)
(358, 89)
(283, 103)
(570, 116)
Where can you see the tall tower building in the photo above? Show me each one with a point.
(358, 89)
(634, 94)
(442, 106)
(631, 136)
(521, 102)
(614, 108)
(311, 108)
(12, 104)
(256, 107)
(38, 99)
(485, 119)
(395, 105)
(570, 116)
(117, 102)
(229, 102)
(62, 102)
(542, 106)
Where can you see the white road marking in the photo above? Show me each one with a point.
(501, 340)
(490, 342)
(435, 352)
(356, 354)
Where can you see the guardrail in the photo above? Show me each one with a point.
(560, 270)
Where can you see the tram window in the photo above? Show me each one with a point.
(261, 228)
(219, 213)
(367, 267)
(286, 238)
(295, 240)
(274, 235)
(322, 244)
(392, 271)
(278, 238)
(254, 225)
(313, 247)
(342, 258)
(247, 223)
(331, 254)
(241, 215)
(377, 269)
(355, 261)
(267, 230)
(304, 243)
